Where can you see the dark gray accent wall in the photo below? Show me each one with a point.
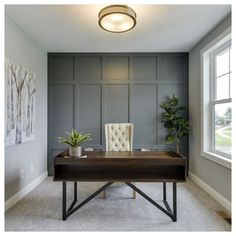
(88, 90)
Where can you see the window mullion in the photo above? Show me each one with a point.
(213, 76)
(227, 73)
(212, 97)
(212, 125)
(227, 100)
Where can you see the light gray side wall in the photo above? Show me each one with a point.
(88, 90)
(23, 50)
(215, 175)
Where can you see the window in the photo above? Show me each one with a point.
(221, 100)
(216, 100)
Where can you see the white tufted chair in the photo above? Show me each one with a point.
(119, 137)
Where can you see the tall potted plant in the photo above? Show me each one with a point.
(175, 123)
(74, 139)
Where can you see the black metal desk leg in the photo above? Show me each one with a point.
(164, 191)
(75, 191)
(174, 202)
(64, 201)
(75, 197)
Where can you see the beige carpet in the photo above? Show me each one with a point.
(41, 210)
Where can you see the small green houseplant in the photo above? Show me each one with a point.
(74, 139)
(175, 123)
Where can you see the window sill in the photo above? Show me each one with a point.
(217, 158)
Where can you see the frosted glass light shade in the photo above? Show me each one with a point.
(117, 18)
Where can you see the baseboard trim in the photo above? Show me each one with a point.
(212, 192)
(18, 196)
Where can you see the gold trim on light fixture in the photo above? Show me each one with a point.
(117, 18)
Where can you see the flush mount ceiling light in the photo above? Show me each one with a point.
(117, 18)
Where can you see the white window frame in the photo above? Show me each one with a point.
(213, 101)
(207, 115)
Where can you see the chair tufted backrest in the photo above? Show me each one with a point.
(119, 137)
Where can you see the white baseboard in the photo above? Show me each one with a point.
(212, 192)
(18, 196)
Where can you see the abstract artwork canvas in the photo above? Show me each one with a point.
(20, 106)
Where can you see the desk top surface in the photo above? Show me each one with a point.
(135, 166)
(101, 156)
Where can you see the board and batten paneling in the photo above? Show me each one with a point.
(90, 111)
(117, 103)
(144, 68)
(144, 115)
(90, 68)
(87, 90)
(63, 119)
(116, 67)
(62, 68)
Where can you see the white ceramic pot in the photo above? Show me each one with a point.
(75, 151)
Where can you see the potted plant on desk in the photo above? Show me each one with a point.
(74, 139)
(175, 123)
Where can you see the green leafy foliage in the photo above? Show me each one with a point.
(173, 119)
(74, 138)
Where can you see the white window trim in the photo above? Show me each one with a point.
(213, 101)
(206, 97)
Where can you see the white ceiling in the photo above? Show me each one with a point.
(160, 28)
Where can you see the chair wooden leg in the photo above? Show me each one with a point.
(134, 194)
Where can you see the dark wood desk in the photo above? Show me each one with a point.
(124, 167)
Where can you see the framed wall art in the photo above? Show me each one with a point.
(20, 105)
